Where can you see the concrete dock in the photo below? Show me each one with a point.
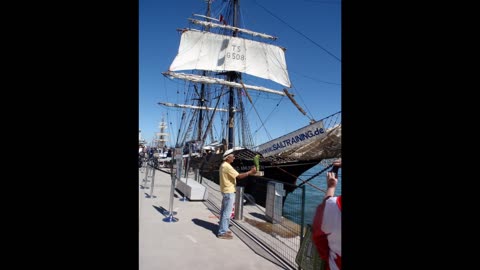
(190, 242)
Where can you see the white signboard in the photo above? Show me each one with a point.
(292, 140)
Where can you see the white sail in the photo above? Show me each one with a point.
(206, 51)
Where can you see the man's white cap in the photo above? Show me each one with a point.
(228, 152)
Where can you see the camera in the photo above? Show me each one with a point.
(335, 170)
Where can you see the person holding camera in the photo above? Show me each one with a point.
(228, 181)
(327, 223)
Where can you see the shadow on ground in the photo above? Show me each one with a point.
(207, 225)
(163, 211)
(259, 216)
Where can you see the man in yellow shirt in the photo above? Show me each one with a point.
(228, 182)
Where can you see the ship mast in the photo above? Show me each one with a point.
(202, 89)
(232, 76)
(231, 84)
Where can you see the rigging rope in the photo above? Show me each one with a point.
(290, 96)
(331, 54)
(309, 179)
(255, 109)
(313, 176)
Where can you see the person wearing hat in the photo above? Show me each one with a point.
(228, 181)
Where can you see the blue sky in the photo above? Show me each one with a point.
(310, 30)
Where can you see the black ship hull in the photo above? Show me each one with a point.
(256, 186)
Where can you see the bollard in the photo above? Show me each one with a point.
(170, 217)
(145, 180)
(238, 203)
(153, 181)
(273, 202)
(176, 174)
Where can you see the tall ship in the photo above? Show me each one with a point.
(216, 60)
(161, 137)
(141, 141)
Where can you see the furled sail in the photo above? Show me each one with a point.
(210, 24)
(191, 106)
(212, 80)
(207, 51)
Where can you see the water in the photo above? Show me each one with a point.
(313, 196)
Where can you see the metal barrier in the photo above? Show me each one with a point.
(279, 227)
(281, 238)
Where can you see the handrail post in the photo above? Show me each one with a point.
(238, 203)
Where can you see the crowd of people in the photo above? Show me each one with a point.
(148, 153)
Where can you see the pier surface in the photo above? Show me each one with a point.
(190, 242)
